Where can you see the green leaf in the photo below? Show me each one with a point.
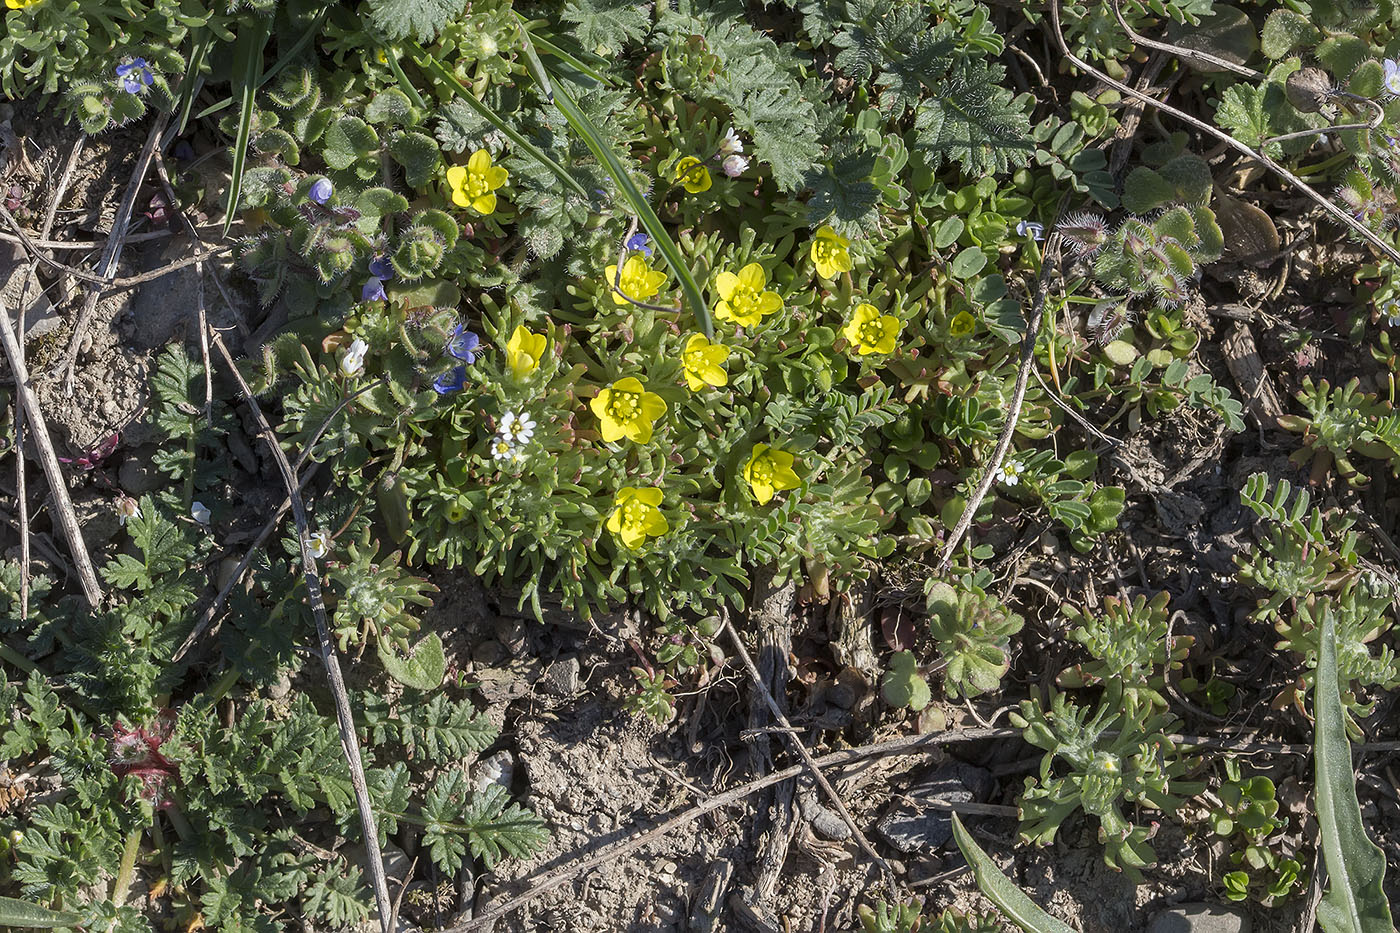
(17, 913)
(1014, 903)
(974, 122)
(247, 68)
(1355, 901)
(420, 19)
(903, 685)
(968, 263)
(1284, 31)
(604, 26)
(602, 150)
(423, 667)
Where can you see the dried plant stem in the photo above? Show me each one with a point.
(582, 866)
(1049, 262)
(112, 252)
(63, 506)
(344, 718)
(806, 756)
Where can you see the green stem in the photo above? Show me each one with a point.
(11, 656)
(224, 684)
(127, 870)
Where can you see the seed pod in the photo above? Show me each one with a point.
(1308, 89)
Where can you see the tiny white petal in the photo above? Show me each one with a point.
(200, 512)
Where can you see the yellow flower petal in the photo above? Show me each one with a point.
(649, 496)
(725, 283)
(479, 162)
(752, 276)
(486, 204)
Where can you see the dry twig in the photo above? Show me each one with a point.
(344, 718)
(806, 756)
(63, 506)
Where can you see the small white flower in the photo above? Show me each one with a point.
(734, 165)
(319, 543)
(1035, 230)
(1010, 472)
(127, 507)
(200, 512)
(518, 429)
(503, 449)
(731, 143)
(353, 361)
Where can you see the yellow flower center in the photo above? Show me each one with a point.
(826, 252)
(634, 513)
(744, 301)
(762, 471)
(871, 333)
(476, 185)
(623, 406)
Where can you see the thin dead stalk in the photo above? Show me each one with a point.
(112, 252)
(344, 718)
(806, 756)
(1049, 262)
(582, 866)
(63, 506)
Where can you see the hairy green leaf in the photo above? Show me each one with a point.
(1019, 908)
(1355, 901)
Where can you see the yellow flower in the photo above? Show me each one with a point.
(869, 332)
(627, 409)
(830, 253)
(768, 471)
(636, 516)
(742, 298)
(963, 323)
(639, 281)
(702, 360)
(21, 4)
(692, 173)
(524, 350)
(474, 184)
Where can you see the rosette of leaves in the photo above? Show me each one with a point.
(1248, 811)
(1099, 761)
(372, 596)
(1302, 551)
(972, 630)
(1130, 642)
(1341, 422)
(1360, 609)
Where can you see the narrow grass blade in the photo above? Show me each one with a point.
(1012, 901)
(1355, 899)
(573, 61)
(247, 68)
(435, 68)
(602, 150)
(22, 914)
(203, 39)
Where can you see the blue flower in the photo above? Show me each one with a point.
(135, 75)
(373, 290)
(321, 191)
(381, 268)
(462, 344)
(1392, 76)
(637, 243)
(449, 382)
(1030, 228)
